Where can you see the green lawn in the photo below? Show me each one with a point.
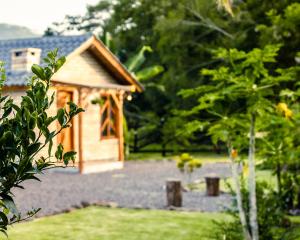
(205, 157)
(95, 223)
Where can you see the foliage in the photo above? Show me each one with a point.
(282, 27)
(273, 223)
(182, 35)
(25, 130)
(280, 149)
(242, 93)
(241, 86)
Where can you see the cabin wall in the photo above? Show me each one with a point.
(94, 148)
(84, 69)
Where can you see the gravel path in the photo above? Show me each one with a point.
(138, 185)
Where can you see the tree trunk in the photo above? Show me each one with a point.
(174, 195)
(252, 182)
(278, 175)
(239, 198)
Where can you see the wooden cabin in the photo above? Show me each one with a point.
(91, 74)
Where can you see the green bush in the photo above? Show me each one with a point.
(25, 131)
(272, 222)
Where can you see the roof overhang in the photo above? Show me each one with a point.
(109, 60)
(126, 88)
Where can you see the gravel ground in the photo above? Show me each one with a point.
(138, 185)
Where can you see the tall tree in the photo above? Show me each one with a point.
(243, 91)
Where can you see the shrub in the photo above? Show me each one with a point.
(272, 222)
(186, 163)
(25, 131)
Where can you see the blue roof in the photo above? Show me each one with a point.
(65, 44)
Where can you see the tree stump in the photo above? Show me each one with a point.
(174, 195)
(212, 186)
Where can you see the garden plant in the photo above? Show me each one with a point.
(233, 108)
(187, 164)
(25, 130)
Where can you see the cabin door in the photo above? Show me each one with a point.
(66, 136)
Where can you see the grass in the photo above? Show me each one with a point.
(95, 223)
(204, 157)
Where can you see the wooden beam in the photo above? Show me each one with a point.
(91, 86)
(114, 97)
(80, 154)
(103, 107)
(14, 88)
(120, 127)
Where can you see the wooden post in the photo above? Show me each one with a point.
(120, 127)
(212, 186)
(80, 133)
(174, 195)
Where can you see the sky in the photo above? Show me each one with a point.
(39, 14)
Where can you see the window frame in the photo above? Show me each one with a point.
(108, 107)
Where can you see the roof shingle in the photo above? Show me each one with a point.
(65, 44)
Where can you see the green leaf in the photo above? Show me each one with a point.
(59, 152)
(9, 204)
(50, 146)
(7, 112)
(69, 156)
(38, 71)
(31, 135)
(61, 116)
(4, 219)
(149, 72)
(136, 61)
(33, 148)
(32, 123)
(60, 62)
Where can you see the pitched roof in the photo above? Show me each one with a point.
(68, 46)
(65, 44)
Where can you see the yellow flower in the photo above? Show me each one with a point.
(288, 113)
(283, 108)
(234, 153)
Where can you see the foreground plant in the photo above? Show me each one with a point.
(25, 131)
(232, 107)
